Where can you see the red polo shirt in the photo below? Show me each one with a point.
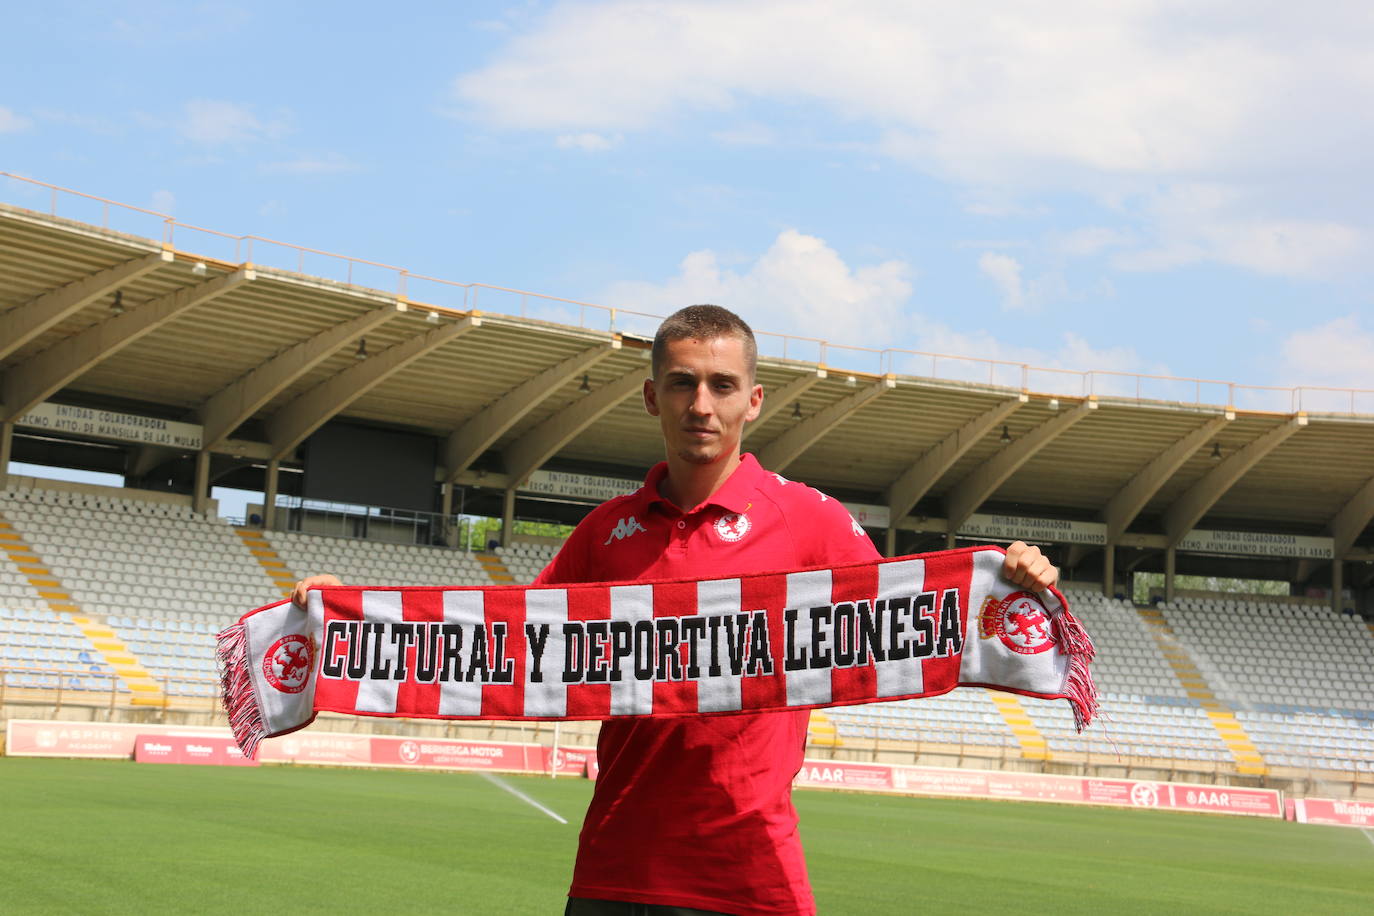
(697, 812)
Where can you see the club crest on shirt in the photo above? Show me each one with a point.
(1020, 621)
(732, 526)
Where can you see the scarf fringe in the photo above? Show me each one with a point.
(1078, 646)
(236, 688)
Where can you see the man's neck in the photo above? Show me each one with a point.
(689, 485)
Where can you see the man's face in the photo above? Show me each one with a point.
(703, 396)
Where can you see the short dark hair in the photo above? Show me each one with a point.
(704, 322)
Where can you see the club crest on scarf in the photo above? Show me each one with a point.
(286, 664)
(1019, 621)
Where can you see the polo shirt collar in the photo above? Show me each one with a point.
(736, 495)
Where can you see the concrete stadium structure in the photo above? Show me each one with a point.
(181, 358)
(242, 360)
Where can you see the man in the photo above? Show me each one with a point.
(694, 814)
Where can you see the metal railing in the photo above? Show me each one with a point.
(436, 292)
(373, 523)
(82, 687)
(874, 739)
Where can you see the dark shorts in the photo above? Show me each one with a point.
(582, 906)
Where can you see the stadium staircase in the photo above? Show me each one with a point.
(1248, 758)
(495, 569)
(111, 650)
(821, 732)
(1032, 742)
(256, 541)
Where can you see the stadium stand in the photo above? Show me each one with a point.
(172, 572)
(1299, 655)
(371, 563)
(525, 560)
(136, 596)
(45, 650)
(1335, 742)
(1294, 718)
(966, 719)
(1297, 677)
(131, 556)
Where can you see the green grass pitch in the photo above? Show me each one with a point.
(106, 836)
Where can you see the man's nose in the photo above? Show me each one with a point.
(701, 400)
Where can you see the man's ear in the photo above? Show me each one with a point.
(755, 403)
(650, 397)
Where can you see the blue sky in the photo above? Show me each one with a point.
(1163, 187)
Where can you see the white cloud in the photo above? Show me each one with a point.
(799, 286)
(1075, 367)
(327, 164)
(1264, 101)
(587, 142)
(1005, 272)
(752, 134)
(803, 287)
(1090, 240)
(1199, 221)
(163, 202)
(11, 123)
(1335, 354)
(215, 123)
(1131, 86)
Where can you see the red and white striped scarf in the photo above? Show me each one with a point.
(889, 629)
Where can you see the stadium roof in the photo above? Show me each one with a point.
(264, 355)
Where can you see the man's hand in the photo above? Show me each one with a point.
(306, 584)
(1027, 567)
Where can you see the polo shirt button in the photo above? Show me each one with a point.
(682, 524)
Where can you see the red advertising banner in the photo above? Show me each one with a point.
(1334, 811)
(836, 774)
(575, 761)
(1226, 800)
(1034, 787)
(459, 755)
(156, 749)
(1018, 786)
(318, 749)
(192, 745)
(114, 740)
(182, 748)
(35, 738)
(935, 781)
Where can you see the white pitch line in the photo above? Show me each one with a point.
(1367, 835)
(501, 783)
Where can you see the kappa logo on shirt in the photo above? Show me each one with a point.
(624, 528)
